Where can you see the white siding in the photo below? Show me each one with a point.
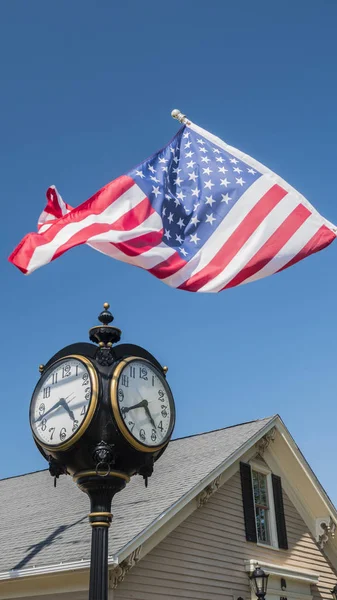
(203, 558)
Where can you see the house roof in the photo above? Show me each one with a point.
(42, 526)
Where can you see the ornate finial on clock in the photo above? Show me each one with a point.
(105, 335)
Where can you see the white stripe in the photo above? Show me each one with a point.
(150, 225)
(289, 250)
(146, 260)
(228, 225)
(127, 201)
(261, 234)
(262, 169)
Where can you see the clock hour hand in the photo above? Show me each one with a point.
(126, 409)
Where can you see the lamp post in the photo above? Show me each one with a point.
(259, 582)
(102, 413)
(334, 592)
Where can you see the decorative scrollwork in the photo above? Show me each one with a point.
(118, 573)
(105, 357)
(209, 490)
(264, 442)
(325, 529)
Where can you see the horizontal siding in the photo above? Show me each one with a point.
(203, 558)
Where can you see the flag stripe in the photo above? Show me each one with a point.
(167, 267)
(276, 241)
(238, 238)
(228, 225)
(322, 238)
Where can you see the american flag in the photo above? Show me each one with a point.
(199, 214)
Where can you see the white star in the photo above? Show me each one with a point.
(189, 154)
(210, 219)
(155, 190)
(195, 207)
(176, 170)
(140, 174)
(164, 211)
(176, 159)
(186, 134)
(251, 171)
(200, 141)
(205, 159)
(170, 218)
(222, 170)
(168, 197)
(240, 181)
(172, 150)
(224, 182)
(196, 192)
(165, 169)
(195, 220)
(150, 167)
(202, 149)
(179, 239)
(216, 150)
(167, 234)
(219, 159)
(233, 160)
(209, 200)
(180, 195)
(190, 164)
(183, 251)
(178, 180)
(176, 202)
(237, 170)
(181, 223)
(207, 171)
(192, 176)
(194, 238)
(209, 184)
(188, 144)
(154, 179)
(225, 198)
(163, 160)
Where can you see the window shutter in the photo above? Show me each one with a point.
(279, 513)
(248, 502)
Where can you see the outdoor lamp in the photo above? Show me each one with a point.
(259, 582)
(334, 592)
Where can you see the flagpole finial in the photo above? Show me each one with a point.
(176, 114)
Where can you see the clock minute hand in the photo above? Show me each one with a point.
(56, 405)
(149, 415)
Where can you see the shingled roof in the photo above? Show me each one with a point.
(49, 526)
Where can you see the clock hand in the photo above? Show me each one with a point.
(56, 405)
(149, 415)
(126, 409)
(66, 407)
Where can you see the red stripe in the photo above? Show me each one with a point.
(273, 245)
(141, 244)
(23, 253)
(53, 207)
(168, 267)
(238, 238)
(127, 222)
(322, 238)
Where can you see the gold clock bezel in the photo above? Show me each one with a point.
(91, 410)
(117, 414)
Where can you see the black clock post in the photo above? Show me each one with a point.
(99, 438)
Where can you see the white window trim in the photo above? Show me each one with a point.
(260, 468)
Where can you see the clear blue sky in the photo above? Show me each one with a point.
(87, 90)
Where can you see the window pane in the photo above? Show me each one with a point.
(261, 506)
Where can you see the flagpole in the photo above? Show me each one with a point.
(177, 114)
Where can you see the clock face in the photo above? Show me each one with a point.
(143, 404)
(63, 402)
